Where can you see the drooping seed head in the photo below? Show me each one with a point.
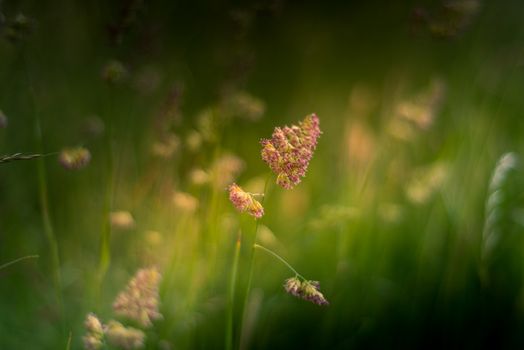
(311, 292)
(306, 290)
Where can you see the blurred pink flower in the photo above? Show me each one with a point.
(139, 300)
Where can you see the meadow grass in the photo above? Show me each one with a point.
(410, 214)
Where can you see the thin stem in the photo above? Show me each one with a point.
(232, 287)
(68, 345)
(105, 238)
(252, 259)
(279, 258)
(7, 264)
(43, 193)
(21, 156)
(18, 156)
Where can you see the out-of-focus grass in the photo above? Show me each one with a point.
(389, 218)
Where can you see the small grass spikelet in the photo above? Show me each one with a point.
(311, 292)
(114, 72)
(139, 300)
(245, 202)
(93, 340)
(74, 158)
(290, 149)
(293, 286)
(127, 338)
(3, 120)
(500, 208)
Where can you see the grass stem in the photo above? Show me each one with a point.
(281, 259)
(105, 237)
(7, 264)
(43, 192)
(231, 297)
(252, 260)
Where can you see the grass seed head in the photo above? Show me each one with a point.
(245, 202)
(290, 149)
(306, 290)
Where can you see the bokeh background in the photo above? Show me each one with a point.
(412, 229)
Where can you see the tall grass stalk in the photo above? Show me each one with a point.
(231, 298)
(43, 191)
(252, 260)
(105, 238)
(69, 339)
(214, 214)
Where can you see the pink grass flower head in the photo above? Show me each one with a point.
(244, 201)
(139, 300)
(290, 149)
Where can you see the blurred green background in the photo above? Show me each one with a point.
(417, 100)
